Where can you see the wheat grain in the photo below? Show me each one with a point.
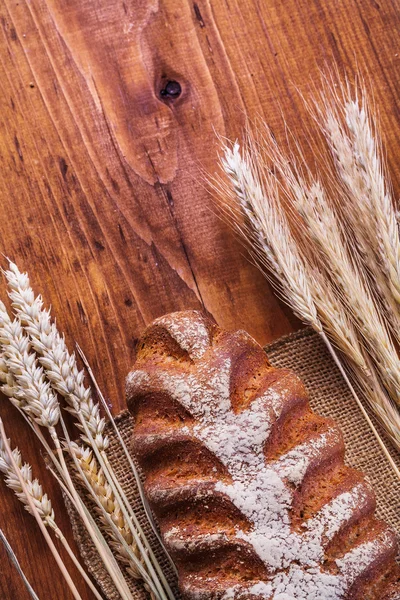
(9, 386)
(341, 331)
(23, 381)
(314, 302)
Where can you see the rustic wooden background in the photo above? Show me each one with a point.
(101, 192)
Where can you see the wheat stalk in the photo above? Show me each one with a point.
(12, 556)
(62, 371)
(33, 498)
(30, 493)
(256, 191)
(110, 513)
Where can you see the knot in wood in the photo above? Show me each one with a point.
(172, 89)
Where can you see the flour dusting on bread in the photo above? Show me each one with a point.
(262, 489)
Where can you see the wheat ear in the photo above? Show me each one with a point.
(42, 504)
(270, 233)
(61, 369)
(23, 381)
(114, 523)
(276, 250)
(19, 365)
(342, 332)
(352, 135)
(35, 491)
(39, 508)
(60, 366)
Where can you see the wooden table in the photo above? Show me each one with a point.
(108, 118)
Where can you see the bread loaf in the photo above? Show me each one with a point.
(248, 485)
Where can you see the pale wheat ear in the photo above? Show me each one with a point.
(30, 492)
(350, 123)
(296, 277)
(41, 512)
(33, 342)
(269, 231)
(32, 394)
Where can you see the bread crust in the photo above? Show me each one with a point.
(248, 485)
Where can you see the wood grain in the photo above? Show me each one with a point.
(101, 185)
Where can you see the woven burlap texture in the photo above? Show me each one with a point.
(304, 353)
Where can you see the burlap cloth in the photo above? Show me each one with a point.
(306, 355)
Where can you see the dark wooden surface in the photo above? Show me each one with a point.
(101, 193)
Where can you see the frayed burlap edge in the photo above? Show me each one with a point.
(304, 353)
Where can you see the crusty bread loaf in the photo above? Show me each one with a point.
(247, 483)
